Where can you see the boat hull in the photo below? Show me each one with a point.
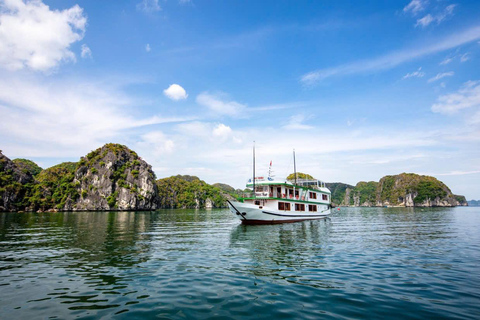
(253, 214)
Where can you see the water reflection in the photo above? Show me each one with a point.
(81, 254)
(287, 252)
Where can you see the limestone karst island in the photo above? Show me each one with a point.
(114, 177)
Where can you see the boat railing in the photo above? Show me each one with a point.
(310, 183)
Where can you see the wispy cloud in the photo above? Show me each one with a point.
(86, 52)
(437, 17)
(447, 60)
(462, 57)
(465, 57)
(393, 59)
(296, 123)
(414, 7)
(467, 97)
(220, 107)
(440, 76)
(149, 6)
(416, 74)
(66, 115)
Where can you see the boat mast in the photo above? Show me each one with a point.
(294, 167)
(254, 193)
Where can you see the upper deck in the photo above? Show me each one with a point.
(304, 190)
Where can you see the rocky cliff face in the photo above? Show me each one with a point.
(114, 178)
(13, 181)
(404, 190)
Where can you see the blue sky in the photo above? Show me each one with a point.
(359, 89)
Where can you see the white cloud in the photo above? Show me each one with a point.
(158, 142)
(446, 61)
(465, 98)
(33, 36)
(415, 6)
(462, 57)
(440, 76)
(393, 59)
(219, 107)
(296, 123)
(175, 92)
(438, 17)
(465, 57)
(425, 21)
(86, 52)
(416, 74)
(149, 6)
(222, 132)
(147, 47)
(65, 116)
(456, 173)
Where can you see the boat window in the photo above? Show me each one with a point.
(324, 197)
(313, 195)
(312, 207)
(299, 207)
(285, 206)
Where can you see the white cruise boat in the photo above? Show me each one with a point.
(280, 201)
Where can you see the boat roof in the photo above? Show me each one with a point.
(305, 183)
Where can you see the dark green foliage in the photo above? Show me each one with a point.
(184, 192)
(429, 190)
(338, 191)
(53, 187)
(27, 166)
(112, 199)
(461, 199)
(366, 191)
(394, 188)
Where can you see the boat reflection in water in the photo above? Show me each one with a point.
(278, 252)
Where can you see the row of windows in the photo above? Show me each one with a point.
(285, 206)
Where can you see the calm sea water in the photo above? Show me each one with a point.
(368, 263)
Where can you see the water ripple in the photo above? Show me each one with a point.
(360, 263)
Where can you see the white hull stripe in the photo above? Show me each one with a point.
(294, 215)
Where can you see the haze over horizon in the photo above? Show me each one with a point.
(359, 90)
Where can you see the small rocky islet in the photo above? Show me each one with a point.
(114, 177)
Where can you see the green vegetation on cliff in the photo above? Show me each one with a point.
(53, 188)
(300, 175)
(188, 192)
(114, 177)
(27, 166)
(365, 192)
(394, 189)
(338, 191)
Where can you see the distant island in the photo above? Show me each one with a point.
(474, 203)
(402, 190)
(114, 177)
